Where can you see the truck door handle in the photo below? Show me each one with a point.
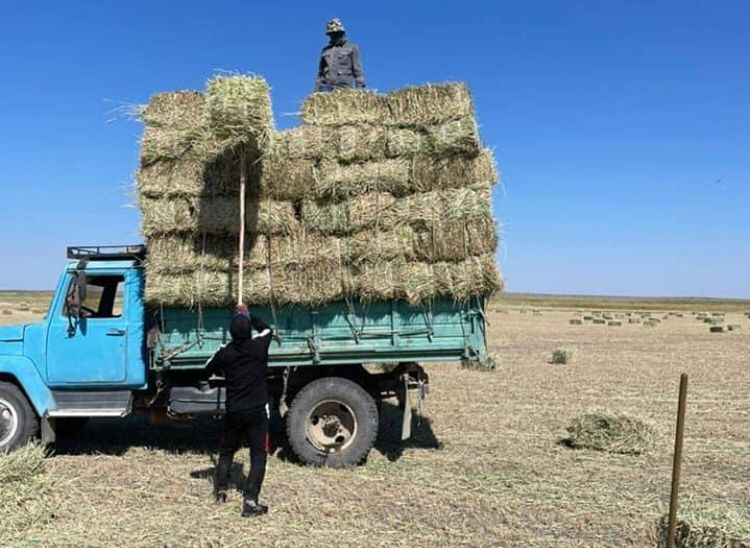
(115, 332)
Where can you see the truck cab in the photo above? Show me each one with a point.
(101, 351)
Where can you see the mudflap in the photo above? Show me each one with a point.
(413, 377)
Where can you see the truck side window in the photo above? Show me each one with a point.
(104, 297)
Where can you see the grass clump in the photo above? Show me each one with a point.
(25, 488)
(611, 432)
(562, 356)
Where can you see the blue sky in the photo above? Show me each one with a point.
(621, 129)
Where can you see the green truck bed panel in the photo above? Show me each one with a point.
(335, 334)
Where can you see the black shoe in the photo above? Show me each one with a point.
(220, 496)
(251, 508)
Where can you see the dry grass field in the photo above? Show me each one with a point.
(486, 467)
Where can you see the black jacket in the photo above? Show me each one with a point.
(340, 66)
(244, 365)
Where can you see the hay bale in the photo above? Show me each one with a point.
(7, 312)
(716, 329)
(176, 125)
(598, 321)
(345, 106)
(634, 320)
(611, 432)
(430, 104)
(412, 106)
(562, 356)
(614, 323)
(400, 176)
(650, 323)
(454, 138)
(318, 281)
(704, 525)
(336, 181)
(239, 111)
(383, 211)
(217, 215)
(734, 327)
(575, 321)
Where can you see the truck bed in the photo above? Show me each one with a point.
(335, 334)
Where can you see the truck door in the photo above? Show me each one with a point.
(91, 349)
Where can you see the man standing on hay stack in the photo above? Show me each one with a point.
(244, 364)
(340, 64)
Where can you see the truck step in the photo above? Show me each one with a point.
(100, 403)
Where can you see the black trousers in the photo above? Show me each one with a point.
(249, 425)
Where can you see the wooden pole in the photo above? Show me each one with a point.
(243, 183)
(677, 460)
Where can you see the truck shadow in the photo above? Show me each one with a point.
(389, 442)
(116, 436)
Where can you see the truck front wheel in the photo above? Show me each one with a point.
(332, 422)
(18, 422)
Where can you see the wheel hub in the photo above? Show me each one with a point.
(8, 422)
(331, 426)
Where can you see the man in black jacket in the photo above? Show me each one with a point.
(340, 63)
(244, 363)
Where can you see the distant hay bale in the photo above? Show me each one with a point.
(703, 525)
(239, 111)
(562, 356)
(214, 216)
(634, 320)
(598, 321)
(614, 323)
(7, 312)
(650, 323)
(575, 321)
(734, 327)
(716, 329)
(588, 318)
(611, 432)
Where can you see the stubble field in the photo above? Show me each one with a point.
(487, 465)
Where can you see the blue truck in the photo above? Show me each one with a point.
(102, 351)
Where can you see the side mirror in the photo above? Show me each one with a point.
(76, 294)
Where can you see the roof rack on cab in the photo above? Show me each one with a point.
(88, 253)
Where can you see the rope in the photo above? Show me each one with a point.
(269, 256)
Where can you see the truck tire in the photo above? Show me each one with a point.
(332, 422)
(18, 422)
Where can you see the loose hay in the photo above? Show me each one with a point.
(610, 432)
(701, 526)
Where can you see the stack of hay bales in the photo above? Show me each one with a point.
(374, 197)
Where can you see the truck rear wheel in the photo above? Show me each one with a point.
(18, 422)
(332, 422)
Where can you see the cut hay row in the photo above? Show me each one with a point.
(382, 210)
(411, 106)
(280, 178)
(448, 241)
(611, 432)
(318, 281)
